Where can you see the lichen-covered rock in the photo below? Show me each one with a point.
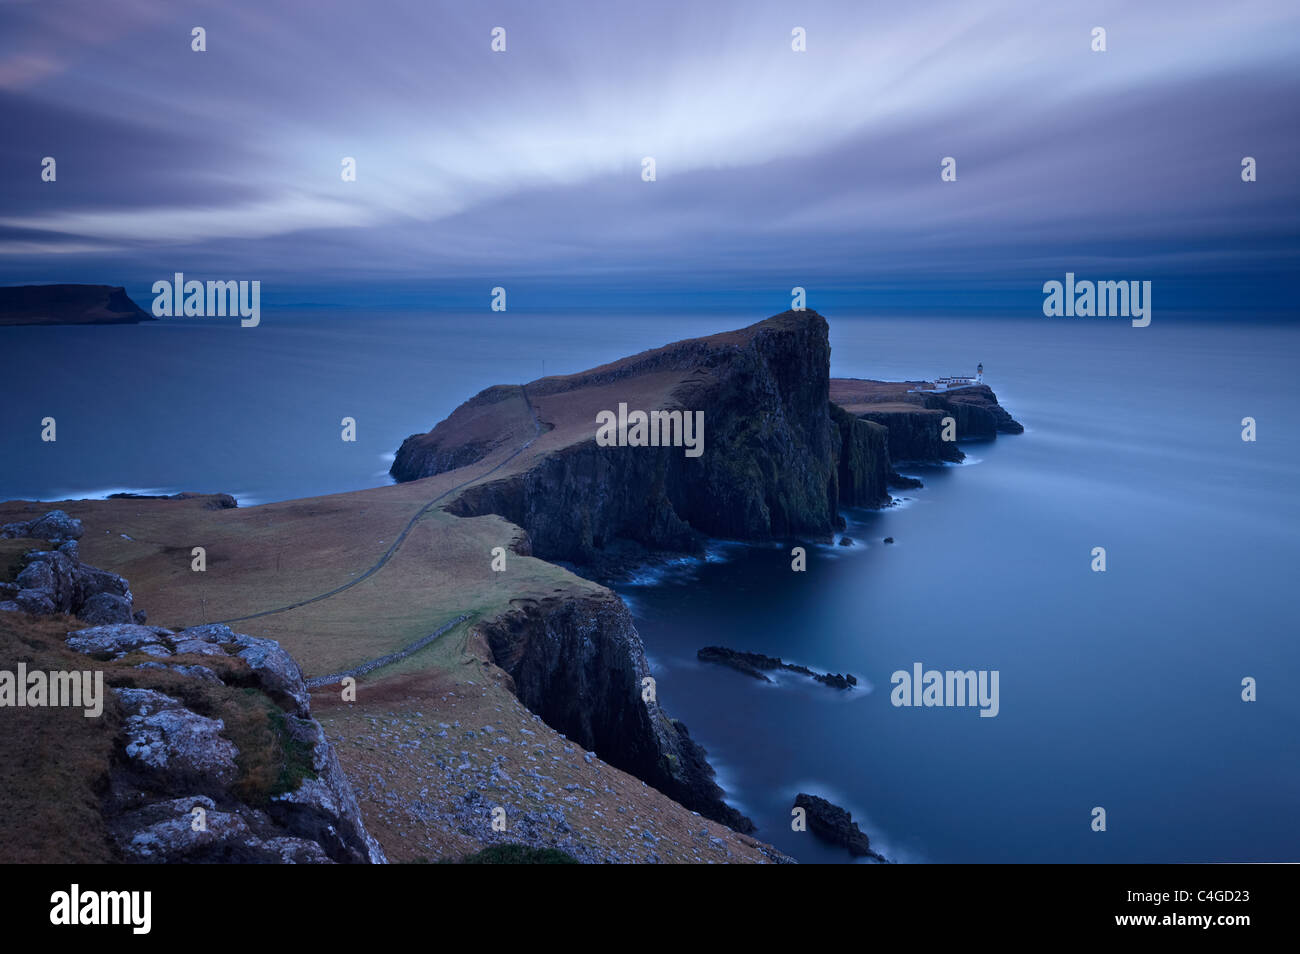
(325, 807)
(196, 672)
(55, 526)
(36, 602)
(170, 739)
(171, 759)
(115, 638)
(194, 830)
(56, 581)
(279, 672)
(197, 647)
(106, 608)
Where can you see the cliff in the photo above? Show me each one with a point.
(435, 741)
(203, 748)
(69, 305)
(580, 665)
(915, 421)
(777, 460)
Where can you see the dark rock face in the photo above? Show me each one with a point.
(69, 305)
(56, 527)
(915, 436)
(756, 664)
(862, 463)
(777, 462)
(444, 448)
(915, 422)
(834, 824)
(56, 581)
(169, 760)
(580, 665)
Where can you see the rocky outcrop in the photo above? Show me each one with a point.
(174, 792)
(775, 464)
(56, 581)
(915, 435)
(915, 419)
(580, 665)
(862, 464)
(69, 305)
(55, 527)
(756, 665)
(833, 824)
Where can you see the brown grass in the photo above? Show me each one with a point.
(54, 762)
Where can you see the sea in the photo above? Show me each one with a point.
(1163, 690)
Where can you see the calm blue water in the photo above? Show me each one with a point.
(1119, 690)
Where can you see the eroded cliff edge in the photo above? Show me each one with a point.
(69, 305)
(914, 418)
(778, 461)
(781, 456)
(578, 662)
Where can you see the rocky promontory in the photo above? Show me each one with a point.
(69, 305)
(783, 448)
(831, 823)
(914, 418)
(579, 664)
(756, 665)
(777, 461)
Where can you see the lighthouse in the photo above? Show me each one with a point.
(979, 374)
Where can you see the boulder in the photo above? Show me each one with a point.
(106, 608)
(115, 638)
(832, 823)
(277, 670)
(166, 738)
(55, 526)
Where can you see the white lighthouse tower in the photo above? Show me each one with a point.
(979, 374)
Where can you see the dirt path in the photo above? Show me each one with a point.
(401, 538)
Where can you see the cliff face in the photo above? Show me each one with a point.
(69, 305)
(486, 421)
(775, 462)
(914, 435)
(863, 467)
(580, 665)
(915, 420)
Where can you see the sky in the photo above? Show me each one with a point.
(773, 168)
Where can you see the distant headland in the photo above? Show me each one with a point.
(69, 305)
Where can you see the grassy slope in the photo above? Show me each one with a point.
(267, 556)
(54, 761)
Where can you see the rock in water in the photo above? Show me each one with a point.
(834, 824)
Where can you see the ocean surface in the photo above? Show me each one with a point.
(1119, 689)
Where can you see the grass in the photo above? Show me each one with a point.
(55, 762)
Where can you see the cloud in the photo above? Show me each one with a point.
(530, 160)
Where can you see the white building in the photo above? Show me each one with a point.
(949, 384)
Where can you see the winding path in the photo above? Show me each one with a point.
(401, 538)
